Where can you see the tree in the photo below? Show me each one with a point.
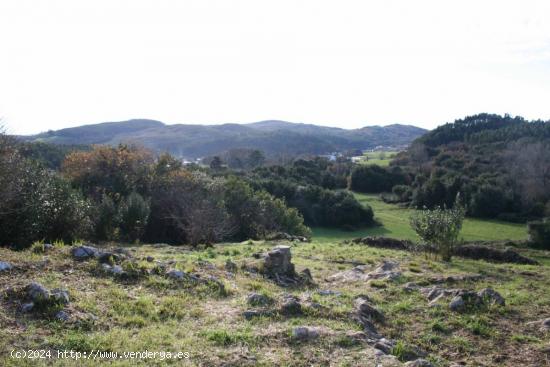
(216, 163)
(439, 227)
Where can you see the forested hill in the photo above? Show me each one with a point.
(272, 137)
(499, 164)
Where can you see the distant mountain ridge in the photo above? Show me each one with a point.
(274, 137)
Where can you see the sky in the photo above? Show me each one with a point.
(338, 63)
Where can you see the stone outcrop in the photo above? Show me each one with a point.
(387, 270)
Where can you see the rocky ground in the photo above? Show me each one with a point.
(279, 302)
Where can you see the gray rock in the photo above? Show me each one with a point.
(110, 258)
(48, 247)
(27, 307)
(384, 345)
(457, 304)
(305, 276)
(305, 333)
(365, 310)
(419, 363)
(545, 324)
(257, 299)
(37, 293)
(62, 316)
(114, 270)
(387, 270)
(60, 296)
(278, 262)
(491, 296)
(150, 259)
(175, 274)
(290, 306)
(230, 266)
(5, 266)
(84, 252)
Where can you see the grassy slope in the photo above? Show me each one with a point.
(395, 223)
(374, 158)
(157, 314)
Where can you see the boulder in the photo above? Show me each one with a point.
(290, 306)
(62, 316)
(37, 293)
(27, 307)
(278, 262)
(365, 310)
(175, 274)
(545, 324)
(59, 296)
(489, 295)
(257, 299)
(387, 270)
(305, 333)
(84, 252)
(328, 292)
(5, 266)
(419, 363)
(385, 345)
(457, 304)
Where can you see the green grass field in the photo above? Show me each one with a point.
(378, 158)
(394, 222)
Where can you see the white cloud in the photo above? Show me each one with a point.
(340, 63)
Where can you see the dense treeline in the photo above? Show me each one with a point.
(316, 188)
(499, 164)
(126, 193)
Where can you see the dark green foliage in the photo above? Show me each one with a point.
(539, 233)
(106, 219)
(37, 204)
(499, 164)
(375, 179)
(134, 213)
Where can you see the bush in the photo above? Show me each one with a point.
(133, 213)
(439, 227)
(106, 219)
(375, 179)
(539, 233)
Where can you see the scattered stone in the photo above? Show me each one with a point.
(60, 296)
(37, 293)
(387, 270)
(84, 252)
(175, 274)
(62, 316)
(5, 266)
(305, 333)
(27, 307)
(290, 306)
(114, 269)
(110, 258)
(365, 310)
(419, 363)
(543, 324)
(257, 299)
(150, 259)
(305, 276)
(384, 345)
(48, 247)
(457, 304)
(455, 278)
(230, 266)
(491, 296)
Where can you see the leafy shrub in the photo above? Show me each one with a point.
(539, 233)
(439, 227)
(133, 212)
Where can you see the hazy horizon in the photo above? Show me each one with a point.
(342, 64)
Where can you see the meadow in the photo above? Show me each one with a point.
(393, 222)
(380, 158)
